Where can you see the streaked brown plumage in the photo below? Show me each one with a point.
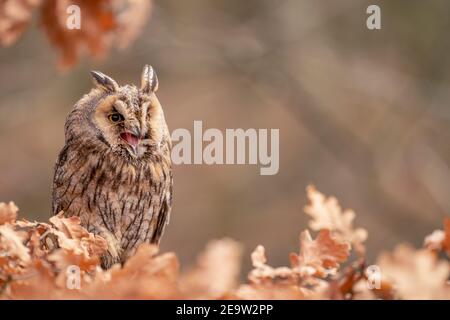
(114, 171)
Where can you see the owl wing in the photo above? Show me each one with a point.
(163, 215)
(59, 186)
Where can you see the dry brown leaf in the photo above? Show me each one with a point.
(326, 213)
(34, 244)
(8, 212)
(354, 284)
(320, 257)
(72, 236)
(63, 259)
(39, 283)
(415, 274)
(11, 243)
(35, 259)
(263, 273)
(15, 16)
(317, 258)
(267, 282)
(69, 226)
(350, 277)
(103, 23)
(94, 35)
(216, 273)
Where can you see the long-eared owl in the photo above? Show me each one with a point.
(114, 171)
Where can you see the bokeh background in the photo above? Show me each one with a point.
(363, 115)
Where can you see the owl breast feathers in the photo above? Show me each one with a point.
(114, 171)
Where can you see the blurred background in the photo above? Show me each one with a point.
(363, 115)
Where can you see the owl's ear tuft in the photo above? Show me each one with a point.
(104, 82)
(149, 80)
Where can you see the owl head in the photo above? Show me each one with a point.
(126, 120)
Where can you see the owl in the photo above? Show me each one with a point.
(114, 171)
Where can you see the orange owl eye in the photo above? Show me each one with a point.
(115, 117)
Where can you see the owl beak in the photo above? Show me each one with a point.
(131, 139)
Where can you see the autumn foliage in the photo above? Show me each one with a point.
(36, 261)
(105, 24)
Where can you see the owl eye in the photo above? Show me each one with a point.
(115, 117)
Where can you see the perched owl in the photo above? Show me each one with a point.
(114, 171)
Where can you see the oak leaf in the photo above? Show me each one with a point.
(415, 274)
(326, 213)
(263, 273)
(320, 257)
(11, 244)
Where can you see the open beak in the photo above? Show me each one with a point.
(131, 139)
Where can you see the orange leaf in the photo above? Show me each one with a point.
(319, 257)
(326, 213)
